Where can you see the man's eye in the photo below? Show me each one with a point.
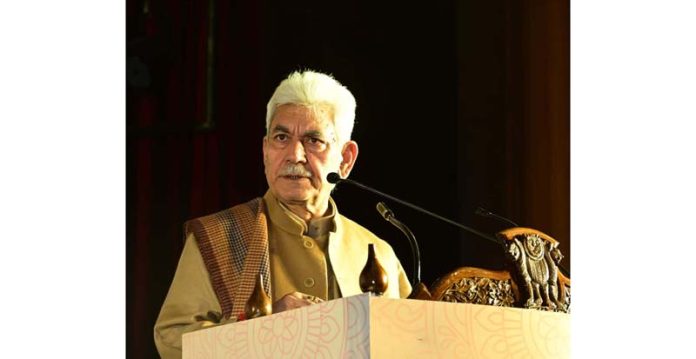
(315, 141)
(281, 137)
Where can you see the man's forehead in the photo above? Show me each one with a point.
(300, 118)
(304, 129)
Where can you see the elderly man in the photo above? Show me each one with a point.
(294, 236)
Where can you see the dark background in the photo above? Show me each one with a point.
(460, 104)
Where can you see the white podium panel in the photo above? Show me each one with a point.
(372, 327)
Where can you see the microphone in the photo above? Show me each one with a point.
(334, 178)
(486, 213)
(388, 215)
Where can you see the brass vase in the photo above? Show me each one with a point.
(259, 304)
(373, 278)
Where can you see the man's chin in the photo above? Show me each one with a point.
(294, 196)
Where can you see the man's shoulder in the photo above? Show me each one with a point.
(356, 231)
(223, 217)
(352, 225)
(252, 205)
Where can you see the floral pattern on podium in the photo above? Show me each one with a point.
(363, 326)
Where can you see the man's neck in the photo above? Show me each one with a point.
(307, 211)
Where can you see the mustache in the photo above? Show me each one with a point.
(295, 170)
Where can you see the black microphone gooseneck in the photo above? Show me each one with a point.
(333, 177)
(388, 215)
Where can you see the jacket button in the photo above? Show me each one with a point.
(309, 282)
(308, 243)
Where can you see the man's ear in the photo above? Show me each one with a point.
(264, 145)
(349, 154)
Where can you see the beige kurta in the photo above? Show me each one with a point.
(323, 259)
(298, 253)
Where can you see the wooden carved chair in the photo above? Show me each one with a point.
(533, 279)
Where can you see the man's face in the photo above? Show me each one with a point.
(300, 149)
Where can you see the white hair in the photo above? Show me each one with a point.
(312, 89)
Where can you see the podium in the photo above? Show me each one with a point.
(365, 326)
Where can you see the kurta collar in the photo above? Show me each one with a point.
(288, 221)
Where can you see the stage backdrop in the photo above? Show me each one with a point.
(460, 104)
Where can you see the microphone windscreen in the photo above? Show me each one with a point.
(333, 177)
(384, 211)
(482, 212)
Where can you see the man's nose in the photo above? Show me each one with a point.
(296, 152)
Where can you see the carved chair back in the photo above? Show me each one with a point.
(533, 279)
